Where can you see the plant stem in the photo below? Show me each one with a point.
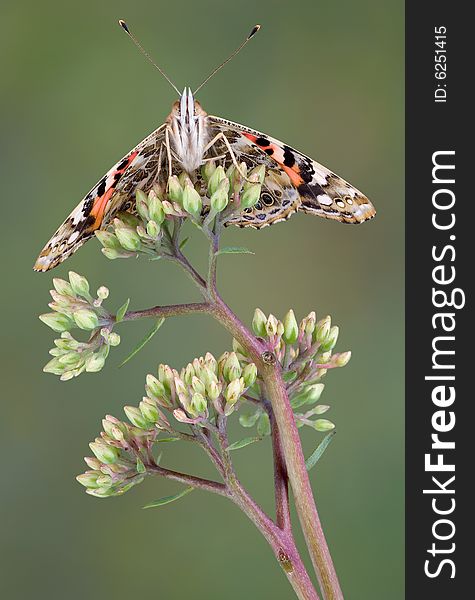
(196, 482)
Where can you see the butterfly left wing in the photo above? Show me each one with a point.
(114, 192)
(319, 191)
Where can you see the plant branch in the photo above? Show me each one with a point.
(196, 482)
(171, 310)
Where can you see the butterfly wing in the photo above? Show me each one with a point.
(316, 189)
(114, 192)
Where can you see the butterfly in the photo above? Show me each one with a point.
(188, 138)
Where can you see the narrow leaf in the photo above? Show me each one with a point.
(183, 242)
(168, 499)
(146, 339)
(234, 250)
(122, 310)
(320, 449)
(168, 439)
(244, 442)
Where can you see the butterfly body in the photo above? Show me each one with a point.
(188, 138)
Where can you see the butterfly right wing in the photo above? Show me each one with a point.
(115, 191)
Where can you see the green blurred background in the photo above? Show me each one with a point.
(325, 77)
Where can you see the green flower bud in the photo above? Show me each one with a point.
(94, 363)
(191, 200)
(323, 425)
(232, 368)
(211, 362)
(259, 322)
(55, 367)
(165, 375)
(257, 174)
(136, 417)
(108, 240)
(79, 284)
(71, 360)
(219, 200)
(114, 338)
(197, 385)
(155, 208)
(57, 321)
(89, 479)
(291, 328)
(188, 373)
(249, 374)
(126, 219)
(198, 405)
(154, 388)
(128, 238)
(63, 287)
(103, 293)
(271, 325)
(175, 191)
(309, 395)
(213, 390)
(149, 410)
(93, 463)
(112, 254)
(86, 319)
(218, 175)
(331, 340)
(141, 203)
(322, 330)
(233, 391)
(104, 481)
(106, 454)
(342, 359)
(251, 196)
(153, 230)
(208, 169)
(310, 322)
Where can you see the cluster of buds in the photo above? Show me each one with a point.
(74, 307)
(234, 189)
(305, 352)
(204, 384)
(131, 235)
(122, 451)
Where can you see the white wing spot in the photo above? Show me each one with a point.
(73, 237)
(325, 199)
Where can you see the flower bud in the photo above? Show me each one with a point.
(114, 338)
(71, 360)
(323, 425)
(154, 388)
(257, 174)
(57, 321)
(234, 391)
(79, 284)
(136, 417)
(103, 293)
(108, 240)
(141, 204)
(249, 374)
(89, 479)
(153, 230)
(310, 323)
(106, 454)
(322, 329)
(149, 410)
(208, 169)
(219, 200)
(94, 362)
(251, 196)
(218, 175)
(271, 325)
(231, 368)
(259, 322)
(197, 385)
(198, 405)
(112, 253)
(86, 319)
(63, 287)
(291, 328)
(213, 390)
(92, 462)
(342, 359)
(175, 191)
(128, 237)
(191, 200)
(155, 208)
(211, 362)
(331, 340)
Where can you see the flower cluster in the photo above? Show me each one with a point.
(204, 388)
(74, 307)
(305, 352)
(217, 192)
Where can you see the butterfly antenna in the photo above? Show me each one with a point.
(123, 24)
(254, 30)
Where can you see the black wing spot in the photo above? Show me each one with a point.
(289, 158)
(267, 199)
(269, 151)
(262, 141)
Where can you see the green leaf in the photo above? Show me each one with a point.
(249, 420)
(146, 339)
(168, 499)
(319, 450)
(244, 442)
(168, 439)
(122, 310)
(263, 425)
(234, 250)
(140, 466)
